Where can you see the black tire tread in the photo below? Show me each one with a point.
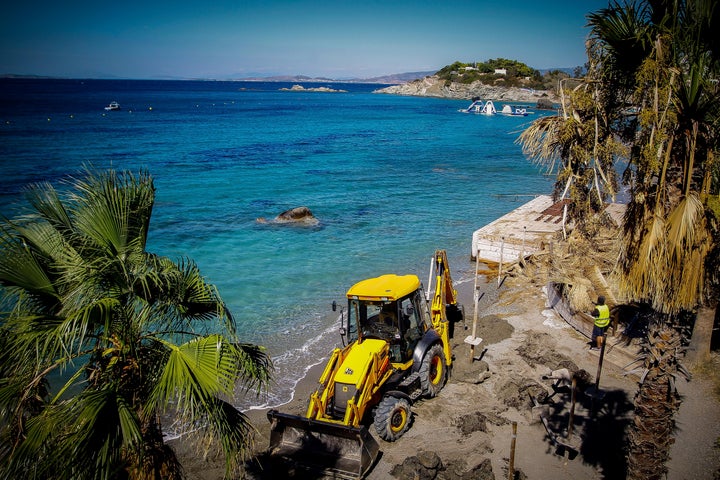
(382, 418)
(430, 390)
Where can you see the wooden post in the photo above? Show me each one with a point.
(476, 300)
(596, 394)
(511, 465)
(502, 247)
(600, 362)
(571, 420)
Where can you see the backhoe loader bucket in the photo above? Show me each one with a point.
(338, 451)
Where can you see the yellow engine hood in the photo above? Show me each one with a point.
(353, 368)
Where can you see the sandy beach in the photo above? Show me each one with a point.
(466, 431)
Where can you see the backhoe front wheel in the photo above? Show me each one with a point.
(433, 371)
(392, 418)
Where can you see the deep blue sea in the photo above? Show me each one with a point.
(391, 179)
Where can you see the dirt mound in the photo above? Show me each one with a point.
(515, 390)
(539, 348)
(423, 466)
(493, 329)
(429, 466)
(476, 373)
(481, 471)
(477, 422)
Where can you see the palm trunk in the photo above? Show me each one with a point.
(656, 403)
(154, 459)
(700, 342)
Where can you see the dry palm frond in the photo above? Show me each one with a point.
(689, 241)
(540, 141)
(667, 267)
(685, 224)
(643, 272)
(574, 262)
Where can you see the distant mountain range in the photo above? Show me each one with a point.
(392, 79)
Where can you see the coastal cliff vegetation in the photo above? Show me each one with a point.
(503, 72)
(497, 79)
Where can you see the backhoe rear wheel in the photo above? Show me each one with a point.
(433, 371)
(392, 418)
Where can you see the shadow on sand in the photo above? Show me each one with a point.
(599, 429)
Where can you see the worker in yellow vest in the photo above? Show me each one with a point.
(601, 314)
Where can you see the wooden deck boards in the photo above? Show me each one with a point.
(525, 230)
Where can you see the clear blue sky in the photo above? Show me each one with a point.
(330, 38)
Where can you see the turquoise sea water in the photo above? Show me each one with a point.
(391, 179)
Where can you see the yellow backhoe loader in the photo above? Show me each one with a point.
(398, 350)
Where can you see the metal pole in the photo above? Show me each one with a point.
(511, 465)
(430, 276)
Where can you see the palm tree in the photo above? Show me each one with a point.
(667, 237)
(579, 147)
(582, 144)
(654, 68)
(99, 339)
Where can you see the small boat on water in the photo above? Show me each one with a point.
(483, 108)
(517, 110)
(113, 106)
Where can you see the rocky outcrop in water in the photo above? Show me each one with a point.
(300, 88)
(297, 216)
(434, 86)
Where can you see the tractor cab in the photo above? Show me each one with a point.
(390, 308)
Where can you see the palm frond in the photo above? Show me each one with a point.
(85, 299)
(84, 438)
(540, 141)
(643, 267)
(689, 242)
(194, 372)
(20, 268)
(624, 31)
(47, 205)
(232, 429)
(254, 366)
(114, 209)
